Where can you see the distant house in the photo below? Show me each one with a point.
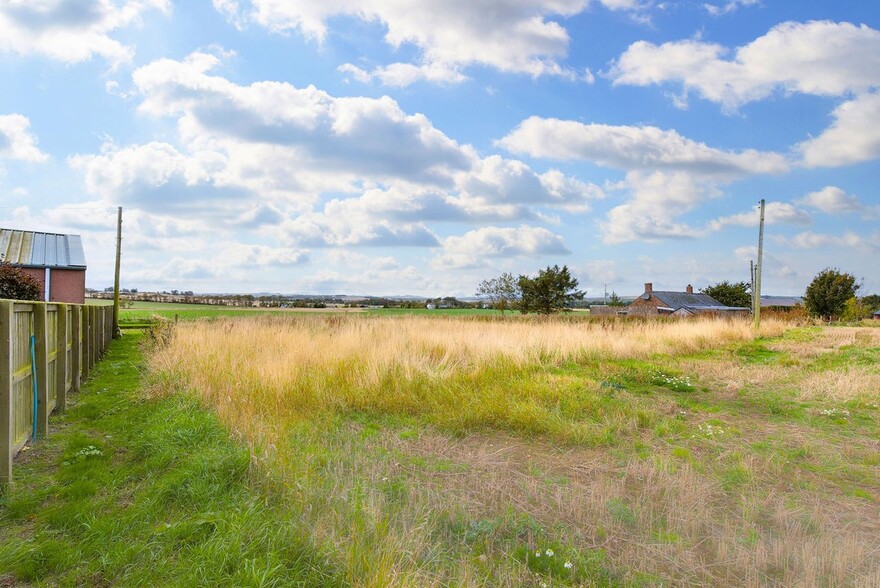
(680, 304)
(57, 262)
(781, 302)
(876, 315)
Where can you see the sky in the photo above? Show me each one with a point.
(404, 147)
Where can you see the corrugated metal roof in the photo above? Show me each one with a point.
(33, 249)
(781, 300)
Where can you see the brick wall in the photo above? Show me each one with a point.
(67, 285)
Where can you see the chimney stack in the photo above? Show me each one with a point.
(649, 289)
(690, 289)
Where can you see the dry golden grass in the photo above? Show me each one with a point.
(400, 503)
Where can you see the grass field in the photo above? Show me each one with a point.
(493, 453)
(134, 492)
(323, 450)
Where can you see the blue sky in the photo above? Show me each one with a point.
(405, 147)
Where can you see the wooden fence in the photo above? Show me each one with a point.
(45, 351)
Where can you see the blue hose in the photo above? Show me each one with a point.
(34, 379)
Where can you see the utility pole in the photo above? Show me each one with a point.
(606, 294)
(116, 331)
(758, 268)
(752, 283)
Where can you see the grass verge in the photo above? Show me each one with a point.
(135, 491)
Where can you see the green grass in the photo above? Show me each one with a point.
(133, 491)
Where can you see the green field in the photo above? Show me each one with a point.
(401, 451)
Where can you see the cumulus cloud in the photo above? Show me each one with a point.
(634, 148)
(353, 137)
(474, 247)
(810, 240)
(657, 201)
(157, 177)
(668, 175)
(834, 200)
(16, 140)
(853, 137)
(821, 58)
(405, 74)
(276, 145)
(775, 213)
(519, 36)
(71, 31)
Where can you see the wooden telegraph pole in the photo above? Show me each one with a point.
(758, 268)
(116, 332)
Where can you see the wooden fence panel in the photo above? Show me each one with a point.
(7, 369)
(22, 375)
(67, 341)
(62, 353)
(51, 357)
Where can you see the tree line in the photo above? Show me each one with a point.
(552, 290)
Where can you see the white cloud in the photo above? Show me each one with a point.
(405, 74)
(498, 181)
(850, 239)
(729, 6)
(71, 31)
(477, 246)
(658, 199)
(352, 137)
(834, 200)
(775, 213)
(157, 177)
(285, 147)
(634, 148)
(853, 137)
(520, 36)
(16, 141)
(821, 58)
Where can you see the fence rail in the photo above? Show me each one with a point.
(45, 351)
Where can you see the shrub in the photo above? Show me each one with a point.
(16, 284)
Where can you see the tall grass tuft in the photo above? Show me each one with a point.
(260, 374)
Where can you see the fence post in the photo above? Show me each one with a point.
(76, 347)
(6, 423)
(41, 333)
(61, 366)
(86, 343)
(99, 334)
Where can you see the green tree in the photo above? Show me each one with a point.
(855, 310)
(15, 284)
(827, 294)
(614, 300)
(503, 292)
(872, 302)
(552, 290)
(730, 294)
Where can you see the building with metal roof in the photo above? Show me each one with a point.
(56, 261)
(781, 301)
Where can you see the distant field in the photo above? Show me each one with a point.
(144, 311)
(559, 453)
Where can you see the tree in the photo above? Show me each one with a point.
(872, 302)
(502, 291)
(855, 310)
(614, 300)
(730, 294)
(827, 294)
(550, 291)
(16, 284)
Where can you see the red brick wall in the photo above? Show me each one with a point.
(66, 285)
